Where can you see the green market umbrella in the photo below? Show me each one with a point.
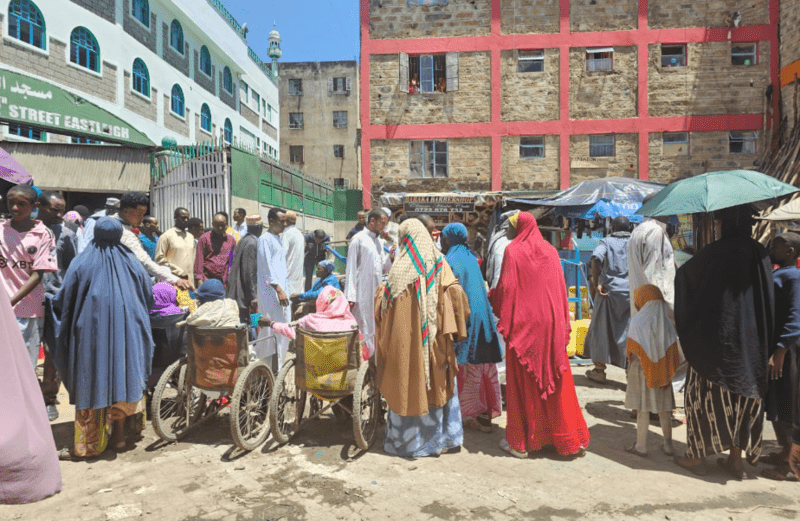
(715, 191)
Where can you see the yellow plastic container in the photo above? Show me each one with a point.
(577, 337)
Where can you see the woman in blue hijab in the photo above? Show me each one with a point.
(103, 342)
(325, 277)
(478, 383)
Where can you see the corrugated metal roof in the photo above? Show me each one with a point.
(83, 168)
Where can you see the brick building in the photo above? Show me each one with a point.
(543, 94)
(320, 120)
(789, 57)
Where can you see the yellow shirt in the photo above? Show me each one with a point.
(176, 249)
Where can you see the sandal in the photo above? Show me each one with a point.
(633, 450)
(66, 455)
(779, 473)
(697, 470)
(776, 459)
(596, 376)
(516, 453)
(724, 463)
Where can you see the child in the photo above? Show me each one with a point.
(784, 252)
(27, 251)
(653, 358)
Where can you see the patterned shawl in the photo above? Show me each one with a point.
(418, 267)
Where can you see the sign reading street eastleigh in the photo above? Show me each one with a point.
(32, 102)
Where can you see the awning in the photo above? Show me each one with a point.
(83, 168)
(599, 49)
(29, 101)
(789, 213)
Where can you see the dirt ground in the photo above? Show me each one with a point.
(321, 475)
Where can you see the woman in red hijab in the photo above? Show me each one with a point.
(531, 301)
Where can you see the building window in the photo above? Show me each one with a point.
(530, 61)
(205, 118)
(673, 56)
(295, 87)
(176, 36)
(26, 132)
(531, 146)
(744, 54)
(141, 11)
(205, 60)
(428, 73)
(228, 132)
(339, 85)
(257, 100)
(601, 145)
(675, 144)
(600, 59)
(743, 142)
(428, 158)
(296, 154)
(26, 23)
(296, 120)
(339, 119)
(84, 50)
(427, 2)
(141, 78)
(340, 183)
(227, 80)
(338, 151)
(84, 141)
(245, 91)
(269, 112)
(177, 106)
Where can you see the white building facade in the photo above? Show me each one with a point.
(175, 70)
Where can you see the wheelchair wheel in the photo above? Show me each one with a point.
(287, 405)
(250, 406)
(366, 406)
(170, 401)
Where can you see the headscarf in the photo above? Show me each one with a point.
(73, 217)
(103, 345)
(332, 314)
(210, 290)
(652, 337)
(417, 267)
(482, 345)
(531, 302)
(164, 296)
(326, 265)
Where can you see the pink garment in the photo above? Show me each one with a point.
(164, 296)
(333, 315)
(20, 255)
(74, 217)
(29, 468)
(479, 390)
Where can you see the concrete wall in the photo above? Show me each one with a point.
(529, 16)
(470, 103)
(603, 94)
(529, 96)
(709, 84)
(397, 19)
(469, 167)
(318, 135)
(530, 173)
(705, 13)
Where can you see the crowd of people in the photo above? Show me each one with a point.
(436, 320)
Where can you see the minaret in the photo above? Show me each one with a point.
(274, 51)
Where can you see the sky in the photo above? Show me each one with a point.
(311, 30)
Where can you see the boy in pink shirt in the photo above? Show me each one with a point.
(27, 251)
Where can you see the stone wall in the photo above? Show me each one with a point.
(789, 51)
(624, 163)
(137, 103)
(469, 167)
(397, 19)
(175, 123)
(132, 26)
(174, 58)
(708, 152)
(530, 173)
(201, 78)
(105, 9)
(471, 103)
(529, 16)
(591, 15)
(709, 84)
(249, 114)
(529, 96)
(603, 94)
(228, 98)
(705, 13)
(53, 67)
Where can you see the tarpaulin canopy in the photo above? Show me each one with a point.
(12, 171)
(789, 212)
(32, 102)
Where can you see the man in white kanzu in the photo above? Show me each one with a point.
(295, 243)
(273, 301)
(366, 264)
